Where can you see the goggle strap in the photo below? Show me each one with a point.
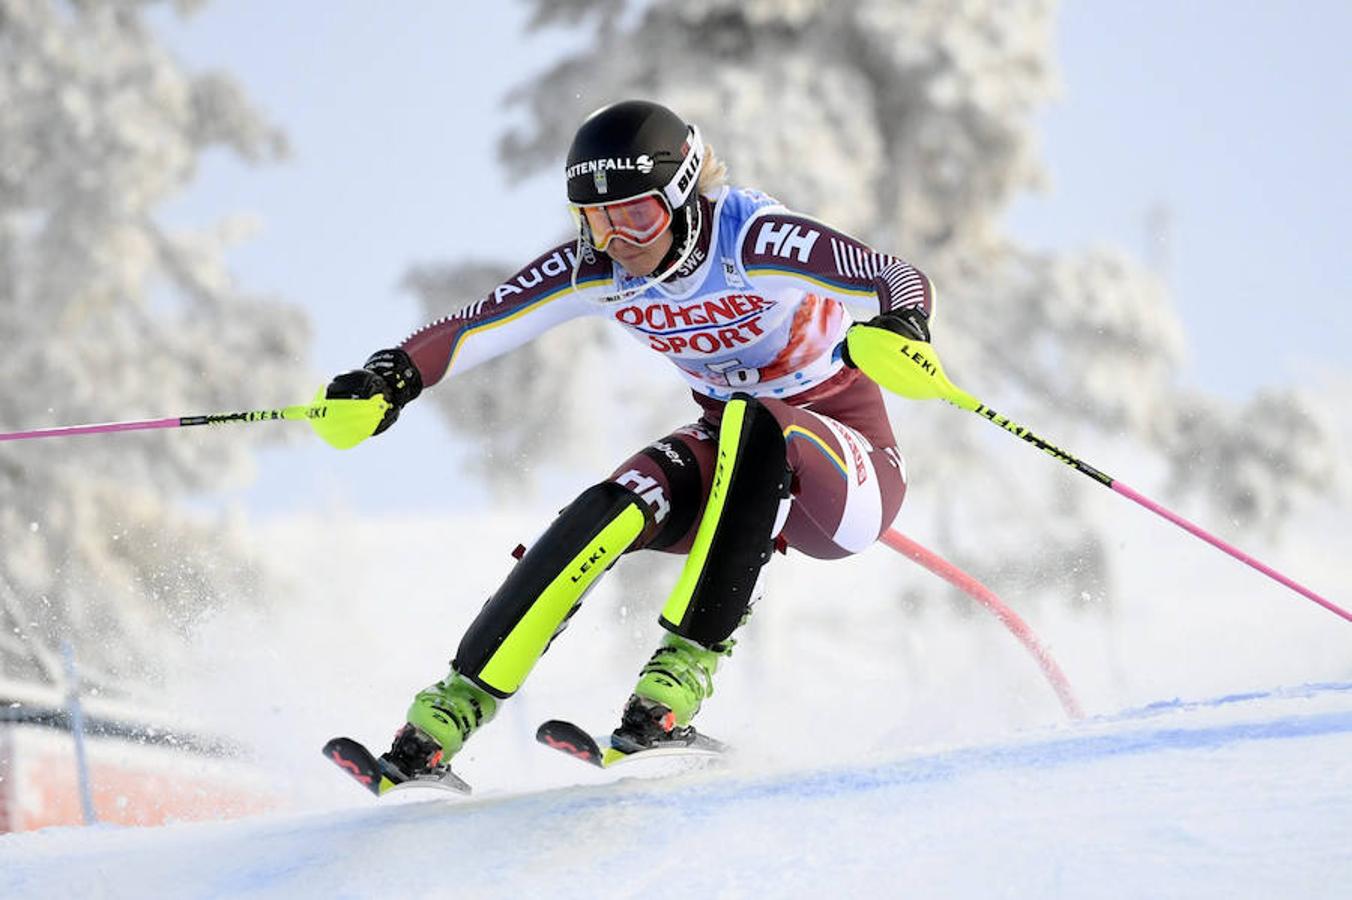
(687, 174)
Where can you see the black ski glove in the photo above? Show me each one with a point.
(909, 321)
(390, 373)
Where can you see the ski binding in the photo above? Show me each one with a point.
(573, 741)
(380, 778)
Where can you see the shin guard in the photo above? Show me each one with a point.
(534, 603)
(735, 539)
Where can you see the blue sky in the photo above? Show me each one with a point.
(1232, 116)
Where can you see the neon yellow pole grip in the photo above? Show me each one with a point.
(343, 423)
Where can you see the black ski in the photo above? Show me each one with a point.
(569, 739)
(379, 777)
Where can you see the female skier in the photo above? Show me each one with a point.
(792, 447)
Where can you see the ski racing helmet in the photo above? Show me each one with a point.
(632, 172)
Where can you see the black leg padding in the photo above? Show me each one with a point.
(576, 527)
(742, 542)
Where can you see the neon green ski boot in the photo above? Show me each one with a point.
(672, 685)
(439, 721)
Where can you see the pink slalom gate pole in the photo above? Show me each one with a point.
(987, 598)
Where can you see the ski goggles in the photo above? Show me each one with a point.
(639, 220)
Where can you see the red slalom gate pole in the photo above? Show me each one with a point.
(986, 597)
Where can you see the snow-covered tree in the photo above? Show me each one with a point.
(909, 123)
(105, 314)
(487, 403)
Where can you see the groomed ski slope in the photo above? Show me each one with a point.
(1240, 796)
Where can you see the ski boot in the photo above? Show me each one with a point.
(671, 687)
(441, 718)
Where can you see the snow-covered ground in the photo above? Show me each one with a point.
(1247, 796)
(882, 748)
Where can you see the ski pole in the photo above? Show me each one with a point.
(343, 423)
(911, 369)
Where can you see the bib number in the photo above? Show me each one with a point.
(734, 374)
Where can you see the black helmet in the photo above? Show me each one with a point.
(630, 148)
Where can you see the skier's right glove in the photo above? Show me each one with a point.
(390, 373)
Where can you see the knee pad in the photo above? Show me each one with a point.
(547, 586)
(736, 534)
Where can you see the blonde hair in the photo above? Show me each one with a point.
(713, 172)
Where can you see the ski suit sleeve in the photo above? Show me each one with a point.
(783, 243)
(535, 299)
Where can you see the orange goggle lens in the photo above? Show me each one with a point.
(639, 221)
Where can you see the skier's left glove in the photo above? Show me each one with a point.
(909, 321)
(390, 373)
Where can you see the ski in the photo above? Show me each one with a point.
(380, 778)
(573, 741)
